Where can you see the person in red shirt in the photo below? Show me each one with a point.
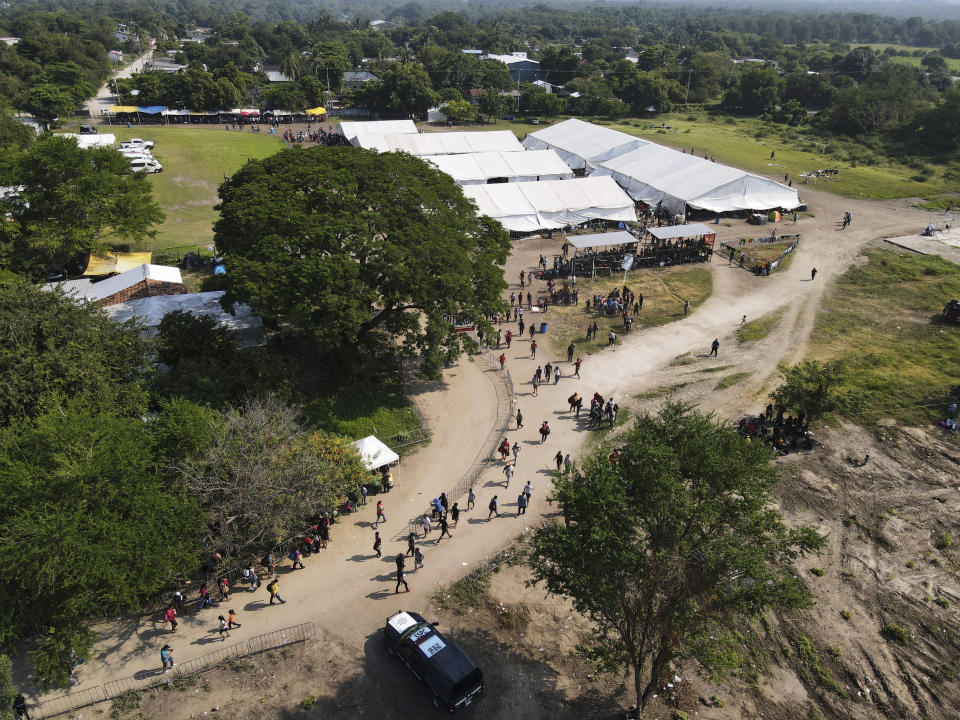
(170, 616)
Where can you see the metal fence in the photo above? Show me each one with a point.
(153, 678)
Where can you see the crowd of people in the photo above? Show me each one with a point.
(784, 433)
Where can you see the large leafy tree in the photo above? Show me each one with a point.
(68, 201)
(671, 544)
(54, 346)
(812, 388)
(264, 478)
(349, 244)
(47, 102)
(404, 89)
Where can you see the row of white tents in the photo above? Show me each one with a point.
(532, 187)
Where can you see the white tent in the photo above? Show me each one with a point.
(582, 145)
(658, 174)
(532, 206)
(92, 141)
(374, 453)
(441, 143)
(376, 127)
(478, 168)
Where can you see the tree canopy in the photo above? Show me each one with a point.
(67, 202)
(349, 244)
(670, 543)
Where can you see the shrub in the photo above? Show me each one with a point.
(895, 632)
(308, 702)
(817, 571)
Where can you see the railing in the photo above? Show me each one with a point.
(152, 678)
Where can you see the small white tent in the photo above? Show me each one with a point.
(479, 168)
(582, 145)
(374, 453)
(533, 206)
(657, 174)
(441, 143)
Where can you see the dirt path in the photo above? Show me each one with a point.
(348, 591)
(105, 97)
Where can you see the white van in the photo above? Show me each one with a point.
(138, 143)
(147, 165)
(132, 154)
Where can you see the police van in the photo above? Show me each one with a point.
(437, 662)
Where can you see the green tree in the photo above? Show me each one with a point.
(70, 201)
(671, 544)
(349, 244)
(811, 387)
(89, 475)
(330, 61)
(47, 102)
(535, 100)
(404, 89)
(492, 104)
(8, 688)
(264, 478)
(459, 111)
(53, 346)
(291, 63)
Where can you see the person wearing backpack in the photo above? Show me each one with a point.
(170, 616)
(494, 507)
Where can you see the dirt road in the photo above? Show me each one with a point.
(105, 97)
(348, 592)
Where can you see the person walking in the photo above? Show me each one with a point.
(509, 338)
(20, 708)
(363, 494)
(714, 347)
(425, 524)
(205, 599)
(686, 307)
(556, 375)
(472, 496)
(224, 630)
(559, 459)
(224, 587)
(523, 277)
(533, 344)
(455, 514)
(528, 491)
(576, 367)
(417, 560)
(297, 558)
(166, 657)
(380, 513)
(232, 620)
(513, 298)
(519, 419)
(400, 580)
(411, 543)
(250, 575)
(516, 453)
(567, 463)
(170, 616)
(401, 559)
(533, 331)
(377, 542)
(743, 320)
(273, 589)
(529, 300)
(570, 353)
(544, 432)
(521, 504)
(813, 274)
(508, 471)
(639, 302)
(503, 361)
(611, 338)
(548, 371)
(444, 528)
(536, 385)
(178, 601)
(494, 508)
(520, 327)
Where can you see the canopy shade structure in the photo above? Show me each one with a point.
(479, 168)
(123, 109)
(620, 237)
(582, 145)
(441, 143)
(116, 263)
(672, 232)
(350, 130)
(546, 205)
(151, 109)
(374, 453)
(317, 111)
(660, 175)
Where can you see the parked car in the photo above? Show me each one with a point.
(131, 153)
(147, 165)
(138, 143)
(534, 121)
(436, 661)
(88, 130)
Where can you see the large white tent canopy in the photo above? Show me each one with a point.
(619, 237)
(374, 453)
(582, 145)
(657, 174)
(533, 206)
(441, 143)
(671, 232)
(478, 168)
(376, 127)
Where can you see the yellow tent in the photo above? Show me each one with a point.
(116, 262)
(123, 109)
(317, 111)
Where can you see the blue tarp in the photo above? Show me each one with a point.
(152, 109)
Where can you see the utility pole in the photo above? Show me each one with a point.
(686, 97)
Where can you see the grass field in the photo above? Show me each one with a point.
(952, 63)
(747, 143)
(761, 327)
(663, 294)
(194, 162)
(882, 321)
(731, 380)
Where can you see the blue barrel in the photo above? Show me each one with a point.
(543, 327)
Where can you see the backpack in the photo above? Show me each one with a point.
(493, 505)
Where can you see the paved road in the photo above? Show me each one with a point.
(105, 95)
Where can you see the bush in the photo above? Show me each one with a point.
(817, 571)
(308, 702)
(895, 632)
